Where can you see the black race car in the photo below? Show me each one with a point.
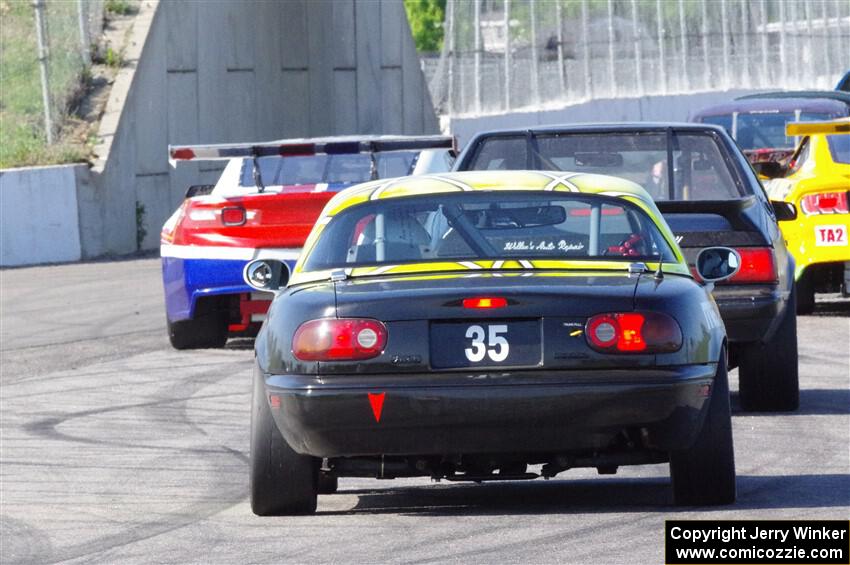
(464, 326)
(709, 195)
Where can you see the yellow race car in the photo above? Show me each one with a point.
(817, 181)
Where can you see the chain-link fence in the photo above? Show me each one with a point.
(45, 49)
(501, 55)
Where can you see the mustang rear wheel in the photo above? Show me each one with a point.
(281, 481)
(768, 373)
(199, 333)
(705, 473)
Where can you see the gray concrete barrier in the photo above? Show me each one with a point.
(39, 220)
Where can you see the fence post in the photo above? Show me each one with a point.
(638, 38)
(450, 18)
(662, 65)
(507, 85)
(42, 61)
(535, 75)
(84, 38)
(585, 25)
(612, 77)
(477, 56)
(562, 79)
(683, 32)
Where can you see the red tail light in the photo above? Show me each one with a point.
(485, 302)
(757, 266)
(348, 339)
(233, 216)
(633, 332)
(825, 203)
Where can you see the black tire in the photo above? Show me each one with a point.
(204, 332)
(282, 482)
(805, 290)
(768, 377)
(328, 484)
(705, 474)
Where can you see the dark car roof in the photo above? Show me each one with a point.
(612, 127)
(807, 94)
(782, 102)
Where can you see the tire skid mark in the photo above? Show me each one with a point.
(219, 496)
(22, 542)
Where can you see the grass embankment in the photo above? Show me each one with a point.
(22, 136)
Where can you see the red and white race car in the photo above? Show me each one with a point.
(264, 206)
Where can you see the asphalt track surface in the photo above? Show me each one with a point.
(114, 448)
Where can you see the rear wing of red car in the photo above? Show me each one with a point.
(308, 147)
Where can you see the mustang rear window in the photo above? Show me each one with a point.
(488, 225)
(699, 169)
(315, 169)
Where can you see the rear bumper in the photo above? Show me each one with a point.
(749, 313)
(522, 412)
(187, 280)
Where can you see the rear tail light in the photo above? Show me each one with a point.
(233, 216)
(825, 203)
(757, 266)
(633, 332)
(348, 339)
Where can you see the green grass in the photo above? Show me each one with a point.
(120, 7)
(22, 136)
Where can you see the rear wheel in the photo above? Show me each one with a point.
(281, 481)
(805, 289)
(204, 332)
(768, 373)
(705, 473)
(328, 484)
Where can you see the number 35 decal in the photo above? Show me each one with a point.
(496, 346)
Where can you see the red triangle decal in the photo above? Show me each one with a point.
(377, 402)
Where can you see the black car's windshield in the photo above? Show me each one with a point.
(488, 225)
(315, 169)
(699, 169)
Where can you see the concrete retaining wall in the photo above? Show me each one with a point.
(672, 107)
(216, 72)
(38, 214)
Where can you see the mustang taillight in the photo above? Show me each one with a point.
(633, 332)
(347, 339)
(825, 203)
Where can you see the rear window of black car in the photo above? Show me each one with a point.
(494, 225)
(700, 171)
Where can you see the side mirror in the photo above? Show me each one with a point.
(770, 169)
(199, 190)
(784, 211)
(268, 275)
(717, 263)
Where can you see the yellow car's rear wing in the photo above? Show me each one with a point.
(812, 128)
